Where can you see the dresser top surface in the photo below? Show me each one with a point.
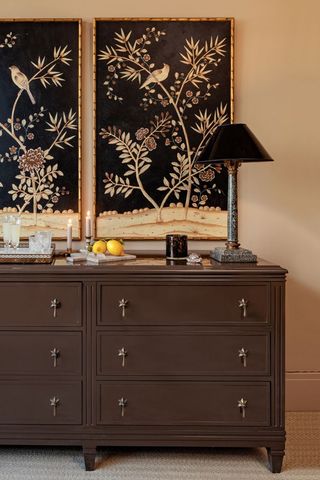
(145, 264)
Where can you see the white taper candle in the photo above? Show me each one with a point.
(88, 225)
(69, 234)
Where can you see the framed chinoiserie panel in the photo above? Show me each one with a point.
(162, 86)
(40, 120)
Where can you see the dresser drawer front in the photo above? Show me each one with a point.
(182, 353)
(183, 305)
(28, 403)
(40, 353)
(40, 304)
(183, 403)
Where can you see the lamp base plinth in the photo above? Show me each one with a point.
(235, 255)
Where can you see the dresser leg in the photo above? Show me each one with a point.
(89, 456)
(275, 457)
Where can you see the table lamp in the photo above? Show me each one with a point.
(231, 145)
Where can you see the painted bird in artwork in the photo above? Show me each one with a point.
(21, 80)
(157, 76)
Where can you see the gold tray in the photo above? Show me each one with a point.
(22, 255)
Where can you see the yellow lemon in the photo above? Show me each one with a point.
(99, 246)
(115, 247)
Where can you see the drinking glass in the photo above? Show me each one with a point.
(15, 232)
(33, 244)
(44, 241)
(40, 242)
(6, 231)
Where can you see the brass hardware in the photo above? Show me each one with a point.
(54, 402)
(243, 353)
(242, 404)
(122, 402)
(55, 304)
(123, 353)
(55, 353)
(243, 303)
(123, 304)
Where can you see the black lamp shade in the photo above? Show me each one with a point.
(233, 142)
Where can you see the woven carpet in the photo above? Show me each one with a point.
(302, 460)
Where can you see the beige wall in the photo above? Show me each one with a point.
(277, 81)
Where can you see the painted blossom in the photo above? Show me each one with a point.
(142, 133)
(151, 144)
(31, 160)
(207, 175)
(13, 150)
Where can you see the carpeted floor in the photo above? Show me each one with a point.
(302, 460)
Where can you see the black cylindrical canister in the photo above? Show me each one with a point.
(176, 247)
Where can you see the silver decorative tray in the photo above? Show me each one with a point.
(22, 254)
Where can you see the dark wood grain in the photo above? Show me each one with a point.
(29, 303)
(183, 403)
(182, 353)
(24, 402)
(190, 305)
(30, 353)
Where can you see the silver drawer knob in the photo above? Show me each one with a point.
(242, 404)
(55, 353)
(54, 402)
(243, 353)
(123, 303)
(122, 402)
(55, 304)
(123, 353)
(243, 303)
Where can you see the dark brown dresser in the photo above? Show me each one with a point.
(143, 353)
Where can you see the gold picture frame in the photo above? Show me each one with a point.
(137, 217)
(44, 169)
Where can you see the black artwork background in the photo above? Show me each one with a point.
(129, 116)
(38, 39)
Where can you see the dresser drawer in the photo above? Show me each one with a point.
(183, 403)
(40, 353)
(40, 304)
(31, 403)
(166, 353)
(183, 305)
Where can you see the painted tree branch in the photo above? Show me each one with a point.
(181, 183)
(127, 57)
(15, 138)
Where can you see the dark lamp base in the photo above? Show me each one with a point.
(235, 255)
